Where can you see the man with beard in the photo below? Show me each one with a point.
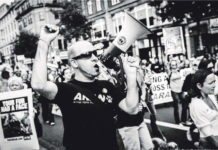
(87, 104)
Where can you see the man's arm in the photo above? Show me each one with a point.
(130, 103)
(39, 80)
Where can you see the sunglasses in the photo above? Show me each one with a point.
(86, 55)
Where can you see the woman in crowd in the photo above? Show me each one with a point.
(67, 74)
(146, 97)
(204, 108)
(15, 83)
(175, 82)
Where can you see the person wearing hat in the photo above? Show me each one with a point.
(87, 105)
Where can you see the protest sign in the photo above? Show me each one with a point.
(160, 88)
(173, 39)
(17, 129)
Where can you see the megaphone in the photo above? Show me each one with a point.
(131, 30)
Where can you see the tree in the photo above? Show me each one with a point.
(26, 44)
(179, 11)
(73, 24)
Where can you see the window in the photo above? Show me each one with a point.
(118, 21)
(99, 29)
(151, 20)
(60, 44)
(41, 16)
(40, 1)
(30, 21)
(144, 21)
(98, 5)
(65, 44)
(98, 34)
(24, 22)
(56, 15)
(89, 3)
(114, 2)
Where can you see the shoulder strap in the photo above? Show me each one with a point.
(86, 92)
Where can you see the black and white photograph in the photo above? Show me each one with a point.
(108, 74)
(16, 124)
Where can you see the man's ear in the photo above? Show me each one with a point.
(199, 86)
(73, 63)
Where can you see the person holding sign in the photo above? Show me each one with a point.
(87, 105)
(176, 83)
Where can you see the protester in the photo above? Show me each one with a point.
(204, 107)
(206, 64)
(176, 83)
(186, 97)
(5, 72)
(147, 76)
(88, 122)
(67, 74)
(15, 83)
(156, 66)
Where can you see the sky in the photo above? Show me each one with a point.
(5, 1)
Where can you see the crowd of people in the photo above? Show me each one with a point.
(104, 109)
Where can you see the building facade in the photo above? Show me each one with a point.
(28, 15)
(8, 31)
(107, 19)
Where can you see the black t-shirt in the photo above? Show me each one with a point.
(88, 125)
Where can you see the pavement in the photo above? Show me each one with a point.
(53, 135)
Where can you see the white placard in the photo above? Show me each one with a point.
(17, 129)
(160, 88)
(173, 40)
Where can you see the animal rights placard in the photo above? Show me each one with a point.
(17, 129)
(160, 88)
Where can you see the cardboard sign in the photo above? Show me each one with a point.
(173, 39)
(17, 129)
(160, 88)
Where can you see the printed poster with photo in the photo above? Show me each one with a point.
(17, 130)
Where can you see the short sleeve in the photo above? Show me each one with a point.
(202, 116)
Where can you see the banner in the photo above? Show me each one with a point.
(173, 40)
(17, 129)
(160, 88)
